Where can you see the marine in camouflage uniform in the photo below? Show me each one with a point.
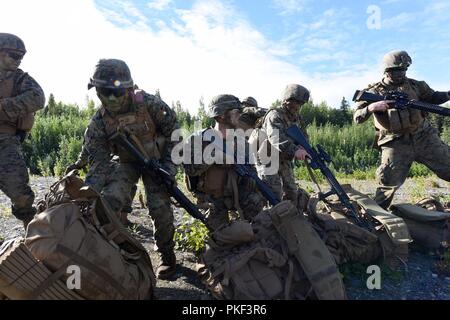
(404, 136)
(217, 187)
(273, 128)
(20, 97)
(252, 114)
(149, 122)
(98, 176)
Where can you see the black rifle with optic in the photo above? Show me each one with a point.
(318, 160)
(247, 170)
(165, 177)
(401, 102)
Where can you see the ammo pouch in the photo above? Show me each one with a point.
(402, 121)
(429, 228)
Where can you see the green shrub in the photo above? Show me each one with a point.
(69, 148)
(419, 170)
(191, 235)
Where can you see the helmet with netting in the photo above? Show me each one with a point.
(112, 74)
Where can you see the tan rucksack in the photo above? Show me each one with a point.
(388, 237)
(276, 256)
(346, 241)
(428, 221)
(76, 227)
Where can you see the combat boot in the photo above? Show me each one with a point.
(167, 267)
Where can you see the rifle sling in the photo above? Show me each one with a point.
(312, 175)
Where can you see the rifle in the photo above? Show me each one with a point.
(318, 160)
(246, 170)
(401, 102)
(155, 167)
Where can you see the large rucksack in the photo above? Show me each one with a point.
(276, 256)
(75, 227)
(428, 221)
(387, 238)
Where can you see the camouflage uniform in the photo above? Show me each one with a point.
(273, 127)
(217, 187)
(151, 122)
(98, 176)
(20, 97)
(405, 136)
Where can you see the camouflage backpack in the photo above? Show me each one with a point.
(428, 221)
(387, 239)
(276, 256)
(75, 227)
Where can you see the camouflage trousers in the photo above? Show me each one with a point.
(283, 184)
(14, 179)
(117, 194)
(97, 178)
(398, 155)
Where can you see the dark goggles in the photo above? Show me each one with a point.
(293, 100)
(15, 55)
(396, 72)
(117, 92)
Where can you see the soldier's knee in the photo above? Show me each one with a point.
(386, 174)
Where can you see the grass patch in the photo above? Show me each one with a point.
(418, 191)
(5, 211)
(191, 236)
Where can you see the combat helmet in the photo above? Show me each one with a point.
(295, 91)
(11, 42)
(222, 103)
(396, 59)
(111, 74)
(250, 101)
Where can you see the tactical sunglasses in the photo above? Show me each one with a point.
(396, 70)
(116, 92)
(296, 101)
(15, 55)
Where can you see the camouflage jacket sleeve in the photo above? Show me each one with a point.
(426, 94)
(95, 141)
(275, 127)
(28, 97)
(362, 113)
(166, 122)
(83, 157)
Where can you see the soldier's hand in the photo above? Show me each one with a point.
(380, 106)
(301, 154)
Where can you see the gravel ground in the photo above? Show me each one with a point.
(415, 281)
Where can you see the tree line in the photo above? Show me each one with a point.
(57, 135)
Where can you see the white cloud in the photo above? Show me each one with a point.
(290, 6)
(399, 20)
(212, 50)
(159, 4)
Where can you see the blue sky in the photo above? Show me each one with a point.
(200, 48)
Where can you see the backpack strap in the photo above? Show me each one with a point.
(310, 251)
